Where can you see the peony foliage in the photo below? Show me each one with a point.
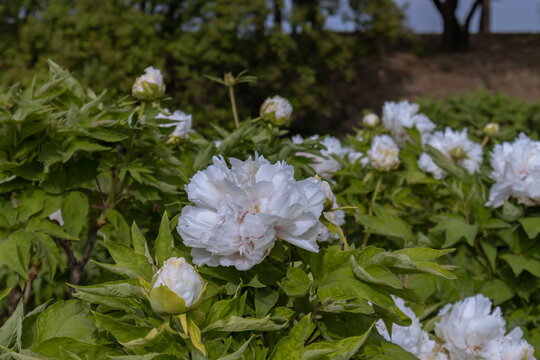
(126, 232)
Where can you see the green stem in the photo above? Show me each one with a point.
(233, 103)
(375, 193)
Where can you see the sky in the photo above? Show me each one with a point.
(507, 16)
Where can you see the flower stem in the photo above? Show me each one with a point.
(233, 103)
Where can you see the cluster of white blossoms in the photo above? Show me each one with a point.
(411, 338)
(150, 85)
(455, 146)
(181, 121)
(399, 116)
(277, 109)
(326, 165)
(516, 172)
(467, 330)
(471, 331)
(384, 153)
(239, 212)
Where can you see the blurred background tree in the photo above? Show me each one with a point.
(108, 43)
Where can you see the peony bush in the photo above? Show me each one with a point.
(125, 233)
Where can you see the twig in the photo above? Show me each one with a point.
(34, 271)
(233, 102)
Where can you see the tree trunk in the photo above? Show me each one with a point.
(485, 18)
(277, 15)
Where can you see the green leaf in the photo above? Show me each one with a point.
(386, 224)
(238, 354)
(135, 265)
(12, 326)
(265, 300)
(423, 254)
(296, 284)
(456, 228)
(531, 226)
(376, 274)
(236, 323)
(139, 243)
(122, 332)
(15, 252)
(74, 212)
(292, 346)
(224, 308)
(497, 291)
(4, 293)
(163, 248)
(335, 350)
(518, 263)
(64, 319)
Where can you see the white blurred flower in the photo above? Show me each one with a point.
(176, 288)
(516, 172)
(411, 338)
(455, 146)
(181, 121)
(371, 120)
(326, 165)
(57, 215)
(509, 347)
(150, 85)
(218, 142)
(397, 117)
(297, 139)
(384, 153)
(277, 109)
(239, 212)
(468, 326)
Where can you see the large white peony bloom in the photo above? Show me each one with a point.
(176, 288)
(277, 109)
(509, 347)
(397, 117)
(239, 212)
(468, 326)
(516, 172)
(326, 165)
(454, 145)
(150, 85)
(384, 153)
(411, 338)
(181, 121)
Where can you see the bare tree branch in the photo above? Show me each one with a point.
(471, 13)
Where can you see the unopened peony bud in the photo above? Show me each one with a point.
(457, 153)
(371, 120)
(177, 288)
(277, 110)
(491, 129)
(150, 85)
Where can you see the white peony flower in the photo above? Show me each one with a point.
(509, 347)
(371, 120)
(384, 153)
(468, 326)
(182, 123)
(57, 215)
(516, 172)
(277, 109)
(454, 145)
(239, 212)
(411, 338)
(326, 165)
(176, 288)
(397, 117)
(150, 85)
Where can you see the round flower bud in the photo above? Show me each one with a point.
(491, 129)
(371, 120)
(176, 288)
(150, 85)
(457, 153)
(277, 110)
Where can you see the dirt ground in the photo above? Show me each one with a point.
(508, 63)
